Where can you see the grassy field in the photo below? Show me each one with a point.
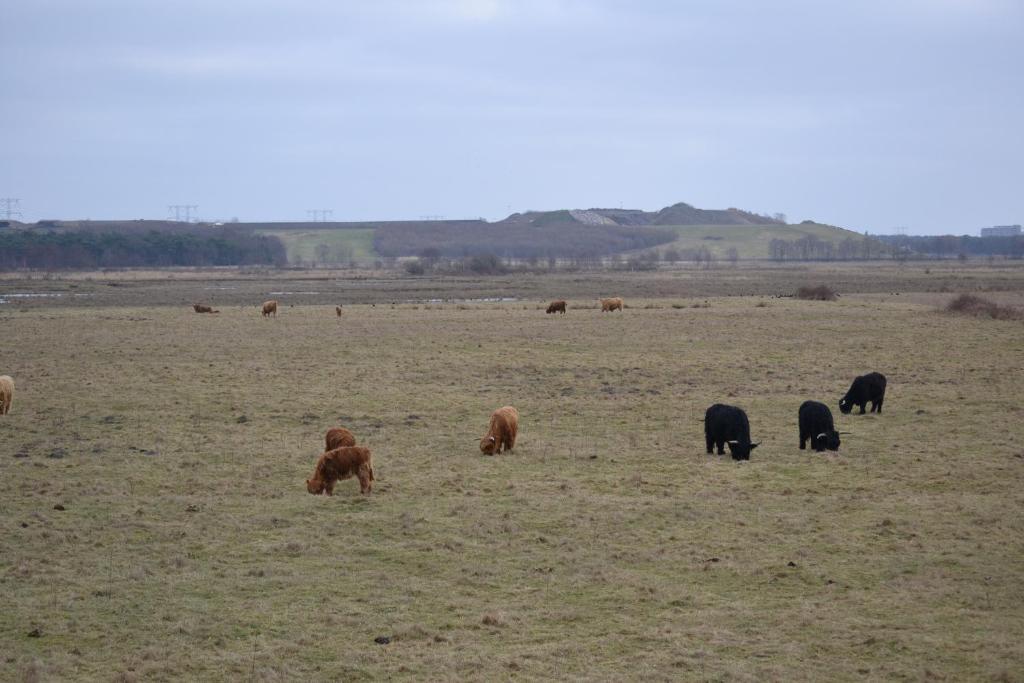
(303, 246)
(156, 524)
(750, 241)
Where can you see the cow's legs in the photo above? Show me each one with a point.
(721, 447)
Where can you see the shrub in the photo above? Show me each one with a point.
(968, 304)
(415, 267)
(818, 293)
(485, 264)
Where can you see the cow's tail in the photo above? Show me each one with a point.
(370, 467)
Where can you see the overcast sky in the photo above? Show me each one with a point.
(870, 114)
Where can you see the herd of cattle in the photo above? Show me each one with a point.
(723, 424)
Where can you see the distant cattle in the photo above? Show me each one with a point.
(200, 308)
(338, 437)
(6, 394)
(270, 308)
(816, 424)
(556, 307)
(869, 387)
(728, 425)
(342, 463)
(501, 431)
(614, 304)
(337, 309)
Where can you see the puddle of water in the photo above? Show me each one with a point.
(29, 295)
(485, 300)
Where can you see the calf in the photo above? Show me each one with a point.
(816, 425)
(501, 431)
(611, 305)
(728, 425)
(869, 387)
(556, 307)
(339, 464)
(338, 437)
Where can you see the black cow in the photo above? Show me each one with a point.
(869, 387)
(728, 425)
(816, 425)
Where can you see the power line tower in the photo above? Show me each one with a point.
(182, 212)
(10, 207)
(320, 215)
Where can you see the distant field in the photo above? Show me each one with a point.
(609, 546)
(303, 246)
(750, 241)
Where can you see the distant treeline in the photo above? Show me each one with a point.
(950, 246)
(519, 241)
(811, 248)
(88, 249)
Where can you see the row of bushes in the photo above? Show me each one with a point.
(86, 250)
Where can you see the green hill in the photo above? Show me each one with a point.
(326, 245)
(754, 241)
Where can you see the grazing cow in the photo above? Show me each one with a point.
(337, 309)
(501, 431)
(869, 387)
(342, 463)
(338, 437)
(556, 307)
(614, 304)
(200, 308)
(728, 425)
(816, 425)
(270, 308)
(6, 394)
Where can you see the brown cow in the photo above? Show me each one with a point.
(614, 304)
(6, 394)
(338, 437)
(501, 431)
(200, 308)
(556, 307)
(270, 308)
(337, 309)
(342, 463)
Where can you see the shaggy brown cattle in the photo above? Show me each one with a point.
(270, 308)
(342, 463)
(609, 305)
(338, 437)
(6, 394)
(501, 431)
(337, 309)
(204, 309)
(556, 307)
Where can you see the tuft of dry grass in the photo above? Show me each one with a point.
(969, 304)
(816, 293)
